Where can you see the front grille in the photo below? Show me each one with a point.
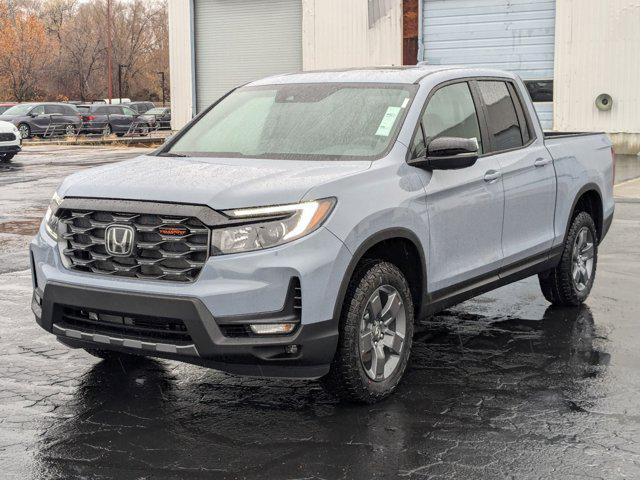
(165, 247)
(119, 325)
(7, 137)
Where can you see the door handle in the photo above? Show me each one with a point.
(492, 176)
(541, 162)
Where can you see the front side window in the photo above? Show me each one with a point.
(128, 111)
(301, 121)
(39, 110)
(502, 119)
(452, 113)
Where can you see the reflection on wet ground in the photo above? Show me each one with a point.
(484, 397)
(627, 167)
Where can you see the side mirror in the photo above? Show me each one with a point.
(449, 153)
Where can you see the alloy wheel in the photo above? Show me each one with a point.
(24, 131)
(382, 333)
(582, 259)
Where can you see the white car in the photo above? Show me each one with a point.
(10, 141)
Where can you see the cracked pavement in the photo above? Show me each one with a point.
(502, 386)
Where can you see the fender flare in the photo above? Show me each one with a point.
(584, 189)
(382, 235)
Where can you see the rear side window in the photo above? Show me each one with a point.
(69, 110)
(49, 109)
(452, 113)
(502, 119)
(115, 110)
(102, 110)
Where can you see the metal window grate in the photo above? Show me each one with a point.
(165, 247)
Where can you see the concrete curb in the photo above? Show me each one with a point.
(123, 142)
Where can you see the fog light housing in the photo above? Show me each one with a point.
(273, 328)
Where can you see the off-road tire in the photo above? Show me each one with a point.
(347, 378)
(557, 284)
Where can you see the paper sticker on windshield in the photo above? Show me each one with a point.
(389, 119)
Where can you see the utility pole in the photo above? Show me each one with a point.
(120, 67)
(109, 54)
(162, 82)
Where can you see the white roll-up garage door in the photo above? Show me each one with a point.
(515, 35)
(237, 41)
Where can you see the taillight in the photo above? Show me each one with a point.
(88, 118)
(613, 164)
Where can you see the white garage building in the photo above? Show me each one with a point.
(570, 51)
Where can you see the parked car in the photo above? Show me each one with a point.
(158, 117)
(301, 226)
(10, 141)
(43, 118)
(108, 119)
(141, 107)
(5, 106)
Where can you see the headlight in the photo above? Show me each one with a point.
(270, 226)
(51, 220)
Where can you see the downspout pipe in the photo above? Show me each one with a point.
(420, 31)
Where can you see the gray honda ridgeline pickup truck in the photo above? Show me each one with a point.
(300, 226)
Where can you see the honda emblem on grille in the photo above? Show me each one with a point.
(118, 240)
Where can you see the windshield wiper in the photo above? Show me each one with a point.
(171, 154)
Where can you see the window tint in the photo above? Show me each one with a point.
(452, 113)
(50, 109)
(102, 110)
(113, 110)
(502, 119)
(540, 90)
(68, 110)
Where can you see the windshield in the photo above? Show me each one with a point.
(155, 111)
(19, 110)
(300, 121)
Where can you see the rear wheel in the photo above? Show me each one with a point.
(6, 157)
(570, 283)
(376, 332)
(107, 130)
(69, 130)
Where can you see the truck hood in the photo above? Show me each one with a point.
(220, 183)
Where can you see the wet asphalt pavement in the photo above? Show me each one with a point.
(502, 386)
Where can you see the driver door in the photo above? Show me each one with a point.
(465, 206)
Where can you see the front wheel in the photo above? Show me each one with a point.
(375, 337)
(25, 131)
(6, 157)
(570, 283)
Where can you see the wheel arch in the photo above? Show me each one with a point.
(588, 199)
(377, 246)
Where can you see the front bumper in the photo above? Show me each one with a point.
(235, 287)
(247, 356)
(13, 148)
